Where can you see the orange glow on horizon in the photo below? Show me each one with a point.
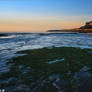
(40, 24)
(36, 27)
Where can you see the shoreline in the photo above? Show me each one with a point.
(46, 68)
(71, 31)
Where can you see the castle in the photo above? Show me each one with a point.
(87, 28)
(88, 25)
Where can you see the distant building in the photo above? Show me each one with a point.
(88, 25)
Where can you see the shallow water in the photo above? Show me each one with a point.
(55, 61)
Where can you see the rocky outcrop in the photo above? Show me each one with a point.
(2, 34)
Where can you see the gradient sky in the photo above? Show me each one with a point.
(41, 15)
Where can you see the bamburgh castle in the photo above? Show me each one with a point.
(88, 25)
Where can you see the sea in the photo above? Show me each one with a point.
(10, 43)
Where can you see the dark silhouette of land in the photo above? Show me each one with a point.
(2, 34)
(87, 28)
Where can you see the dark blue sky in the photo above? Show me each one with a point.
(57, 7)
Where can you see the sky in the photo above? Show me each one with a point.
(43, 15)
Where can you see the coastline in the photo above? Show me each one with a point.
(48, 67)
(72, 31)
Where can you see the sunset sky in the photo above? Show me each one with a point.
(42, 15)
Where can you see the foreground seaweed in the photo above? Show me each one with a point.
(56, 69)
